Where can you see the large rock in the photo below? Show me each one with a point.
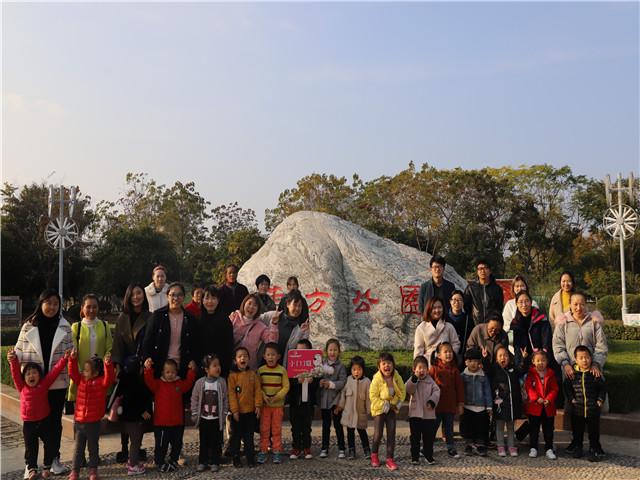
(353, 279)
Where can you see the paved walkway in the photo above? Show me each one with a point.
(623, 462)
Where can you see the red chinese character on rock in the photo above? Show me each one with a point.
(276, 293)
(319, 301)
(364, 301)
(409, 295)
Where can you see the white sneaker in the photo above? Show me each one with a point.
(341, 454)
(57, 468)
(550, 454)
(324, 453)
(26, 472)
(533, 453)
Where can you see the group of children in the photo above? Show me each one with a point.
(254, 401)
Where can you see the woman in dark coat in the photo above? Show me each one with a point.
(531, 329)
(215, 331)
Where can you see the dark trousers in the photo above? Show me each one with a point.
(593, 426)
(300, 417)
(54, 420)
(424, 430)
(87, 436)
(164, 437)
(32, 432)
(364, 439)
(210, 442)
(380, 422)
(447, 426)
(547, 430)
(133, 431)
(327, 417)
(243, 430)
(474, 427)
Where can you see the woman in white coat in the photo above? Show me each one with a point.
(43, 339)
(434, 330)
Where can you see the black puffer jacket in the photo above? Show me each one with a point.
(505, 388)
(480, 300)
(584, 391)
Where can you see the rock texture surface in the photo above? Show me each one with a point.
(357, 284)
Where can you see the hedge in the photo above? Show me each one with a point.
(611, 305)
(615, 330)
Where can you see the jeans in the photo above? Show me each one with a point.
(134, 432)
(447, 426)
(500, 424)
(87, 435)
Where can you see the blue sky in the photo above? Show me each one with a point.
(245, 99)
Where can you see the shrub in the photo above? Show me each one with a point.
(9, 335)
(611, 305)
(615, 330)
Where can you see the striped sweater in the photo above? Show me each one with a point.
(275, 384)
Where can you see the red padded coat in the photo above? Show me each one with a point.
(34, 402)
(168, 408)
(547, 389)
(91, 396)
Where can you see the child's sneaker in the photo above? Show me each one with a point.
(577, 452)
(468, 450)
(375, 461)
(73, 475)
(276, 458)
(482, 450)
(502, 452)
(533, 453)
(93, 474)
(513, 451)
(295, 454)
(391, 465)
(415, 461)
(237, 462)
(307, 454)
(136, 469)
(367, 453)
(341, 454)
(453, 453)
(215, 468)
(164, 468)
(550, 454)
(201, 467)
(430, 460)
(352, 454)
(324, 453)
(33, 474)
(262, 457)
(46, 473)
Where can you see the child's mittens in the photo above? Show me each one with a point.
(386, 406)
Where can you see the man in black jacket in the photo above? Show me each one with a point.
(484, 296)
(232, 293)
(437, 286)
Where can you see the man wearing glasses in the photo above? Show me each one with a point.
(437, 286)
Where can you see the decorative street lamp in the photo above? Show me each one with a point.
(61, 232)
(620, 222)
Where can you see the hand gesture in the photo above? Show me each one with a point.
(568, 371)
(524, 352)
(11, 355)
(276, 317)
(107, 359)
(540, 400)
(67, 354)
(73, 354)
(305, 326)
(192, 365)
(148, 363)
(146, 415)
(485, 352)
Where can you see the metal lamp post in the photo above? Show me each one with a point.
(621, 221)
(61, 232)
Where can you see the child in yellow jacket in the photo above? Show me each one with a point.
(386, 393)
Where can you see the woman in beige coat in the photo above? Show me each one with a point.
(560, 301)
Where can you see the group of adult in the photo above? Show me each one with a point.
(479, 317)
(155, 323)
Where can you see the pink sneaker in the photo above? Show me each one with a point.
(135, 469)
(375, 461)
(502, 452)
(513, 451)
(391, 465)
(93, 474)
(73, 475)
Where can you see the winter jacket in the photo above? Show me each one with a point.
(91, 398)
(555, 308)
(294, 397)
(80, 335)
(479, 338)
(289, 331)
(427, 292)
(463, 324)
(584, 391)
(480, 300)
(448, 378)
(231, 298)
(505, 385)
(328, 397)
(28, 349)
(215, 335)
(533, 333)
(194, 309)
(250, 333)
(34, 401)
(245, 392)
(568, 334)
(168, 407)
(546, 388)
(157, 336)
(477, 389)
(427, 337)
(422, 393)
(354, 393)
(274, 383)
(379, 393)
(127, 341)
(197, 397)
(509, 313)
(157, 300)
(136, 397)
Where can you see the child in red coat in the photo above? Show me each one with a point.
(168, 412)
(96, 378)
(542, 389)
(34, 409)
